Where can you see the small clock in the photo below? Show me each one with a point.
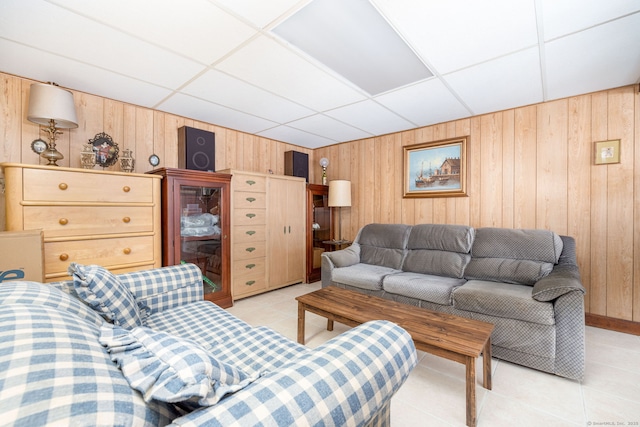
(154, 160)
(39, 145)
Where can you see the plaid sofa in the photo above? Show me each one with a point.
(525, 282)
(54, 370)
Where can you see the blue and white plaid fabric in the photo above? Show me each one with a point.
(104, 292)
(169, 368)
(53, 371)
(342, 382)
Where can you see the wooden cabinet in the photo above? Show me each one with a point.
(195, 225)
(318, 228)
(267, 222)
(89, 217)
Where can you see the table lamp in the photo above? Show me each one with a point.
(339, 197)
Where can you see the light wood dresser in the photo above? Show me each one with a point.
(88, 216)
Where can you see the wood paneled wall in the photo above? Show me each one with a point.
(529, 167)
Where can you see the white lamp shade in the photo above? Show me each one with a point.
(339, 193)
(48, 102)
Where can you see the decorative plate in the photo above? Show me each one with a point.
(154, 160)
(106, 150)
(39, 145)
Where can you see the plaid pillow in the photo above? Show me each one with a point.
(103, 292)
(168, 368)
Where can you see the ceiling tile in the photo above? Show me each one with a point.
(67, 34)
(500, 84)
(196, 29)
(267, 64)
(370, 117)
(568, 16)
(260, 12)
(188, 106)
(225, 90)
(454, 34)
(296, 136)
(328, 127)
(608, 62)
(425, 103)
(25, 61)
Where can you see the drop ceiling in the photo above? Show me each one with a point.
(227, 62)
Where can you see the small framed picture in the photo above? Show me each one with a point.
(607, 152)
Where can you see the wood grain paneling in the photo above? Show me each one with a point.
(528, 167)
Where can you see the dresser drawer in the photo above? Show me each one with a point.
(243, 251)
(251, 183)
(249, 280)
(245, 199)
(249, 216)
(249, 233)
(61, 221)
(66, 186)
(104, 252)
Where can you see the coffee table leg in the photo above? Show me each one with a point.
(471, 391)
(486, 370)
(329, 325)
(300, 323)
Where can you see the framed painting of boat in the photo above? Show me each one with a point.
(436, 169)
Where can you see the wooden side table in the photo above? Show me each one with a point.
(334, 245)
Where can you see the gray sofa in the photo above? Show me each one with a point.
(525, 282)
(144, 349)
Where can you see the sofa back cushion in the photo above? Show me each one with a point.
(439, 249)
(513, 256)
(383, 244)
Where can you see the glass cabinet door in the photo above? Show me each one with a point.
(319, 228)
(201, 207)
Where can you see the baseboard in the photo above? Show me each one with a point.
(619, 325)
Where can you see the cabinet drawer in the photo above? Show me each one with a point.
(249, 216)
(59, 221)
(245, 199)
(249, 183)
(67, 186)
(105, 252)
(249, 282)
(243, 251)
(249, 233)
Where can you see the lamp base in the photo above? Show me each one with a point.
(52, 155)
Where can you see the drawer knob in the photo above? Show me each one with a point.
(250, 249)
(251, 199)
(250, 232)
(64, 257)
(63, 186)
(126, 220)
(251, 215)
(250, 282)
(250, 182)
(126, 189)
(126, 251)
(249, 266)
(63, 221)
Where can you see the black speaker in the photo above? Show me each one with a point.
(296, 164)
(196, 149)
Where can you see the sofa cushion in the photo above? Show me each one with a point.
(383, 244)
(425, 287)
(102, 290)
(55, 372)
(502, 300)
(439, 249)
(363, 276)
(168, 368)
(513, 256)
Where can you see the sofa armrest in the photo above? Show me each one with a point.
(349, 380)
(164, 288)
(564, 278)
(336, 259)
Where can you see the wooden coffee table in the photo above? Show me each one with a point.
(445, 335)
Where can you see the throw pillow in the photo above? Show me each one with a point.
(168, 368)
(104, 293)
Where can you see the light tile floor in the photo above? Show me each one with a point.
(434, 393)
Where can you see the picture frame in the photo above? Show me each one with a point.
(436, 169)
(607, 152)
(106, 150)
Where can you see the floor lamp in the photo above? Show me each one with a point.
(339, 197)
